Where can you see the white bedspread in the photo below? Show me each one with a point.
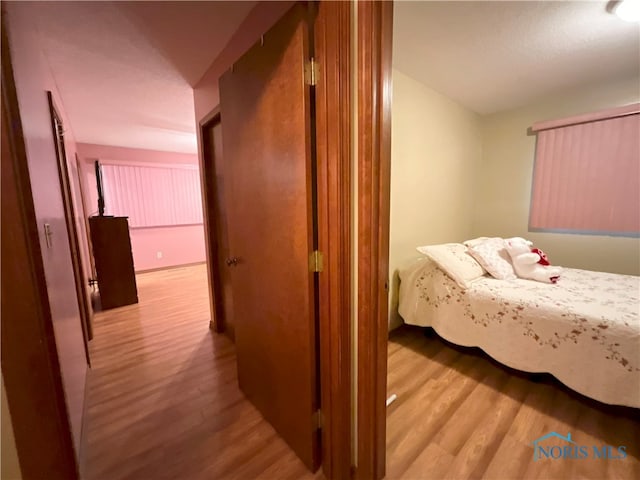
(585, 330)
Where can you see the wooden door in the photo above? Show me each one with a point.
(267, 135)
(72, 231)
(220, 253)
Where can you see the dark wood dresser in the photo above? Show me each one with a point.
(114, 261)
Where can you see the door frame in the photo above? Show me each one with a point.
(85, 219)
(208, 187)
(332, 42)
(375, 32)
(72, 229)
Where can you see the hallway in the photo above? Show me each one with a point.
(163, 400)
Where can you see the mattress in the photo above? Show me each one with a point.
(584, 330)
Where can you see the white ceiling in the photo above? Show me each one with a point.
(125, 70)
(496, 55)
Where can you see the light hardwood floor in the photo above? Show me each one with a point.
(461, 415)
(163, 400)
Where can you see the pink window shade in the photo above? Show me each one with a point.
(153, 196)
(587, 174)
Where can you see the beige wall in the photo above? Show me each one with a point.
(435, 150)
(456, 175)
(504, 180)
(10, 468)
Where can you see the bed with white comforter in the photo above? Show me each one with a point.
(584, 330)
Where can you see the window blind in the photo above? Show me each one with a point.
(153, 196)
(586, 176)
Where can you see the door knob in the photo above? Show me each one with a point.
(233, 261)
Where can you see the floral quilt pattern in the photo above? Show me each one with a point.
(585, 329)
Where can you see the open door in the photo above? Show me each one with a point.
(268, 139)
(72, 231)
(217, 223)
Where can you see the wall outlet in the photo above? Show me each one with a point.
(158, 254)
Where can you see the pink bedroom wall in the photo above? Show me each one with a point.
(179, 245)
(33, 79)
(259, 20)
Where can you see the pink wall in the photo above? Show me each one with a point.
(33, 78)
(259, 20)
(179, 245)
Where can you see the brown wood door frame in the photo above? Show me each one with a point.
(208, 187)
(85, 219)
(334, 159)
(72, 230)
(30, 363)
(332, 38)
(375, 31)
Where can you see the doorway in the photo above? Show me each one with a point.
(216, 230)
(333, 196)
(86, 312)
(478, 410)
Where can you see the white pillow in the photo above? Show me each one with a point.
(495, 259)
(455, 261)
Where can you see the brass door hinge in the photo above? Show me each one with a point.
(311, 72)
(315, 261)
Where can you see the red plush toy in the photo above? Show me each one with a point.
(529, 262)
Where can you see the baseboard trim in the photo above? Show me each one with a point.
(171, 267)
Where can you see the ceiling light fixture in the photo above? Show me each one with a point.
(627, 10)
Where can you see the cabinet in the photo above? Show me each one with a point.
(113, 261)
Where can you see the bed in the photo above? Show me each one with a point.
(584, 330)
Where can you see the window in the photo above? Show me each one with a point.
(586, 177)
(153, 196)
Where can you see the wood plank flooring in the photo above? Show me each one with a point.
(163, 403)
(163, 400)
(461, 415)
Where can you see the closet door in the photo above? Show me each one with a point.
(266, 127)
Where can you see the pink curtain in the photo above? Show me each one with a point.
(153, 196)
(587, 176)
